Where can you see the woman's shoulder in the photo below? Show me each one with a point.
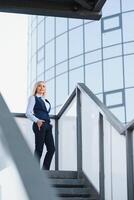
(31, 98)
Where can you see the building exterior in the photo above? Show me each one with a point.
(99, 53)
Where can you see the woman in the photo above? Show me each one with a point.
(38, 111)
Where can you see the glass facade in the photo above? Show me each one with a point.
(98, 53)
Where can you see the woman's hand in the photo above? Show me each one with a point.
(39, 123)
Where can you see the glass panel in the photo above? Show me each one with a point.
(75, 22)
(11, 185)
(114, 98)
(25, 126)
(33, 68)
(49, 28)
(111, 7)
(93, 57)
(50, 92)
(33, 42)
(112, 37)
(76, 62)
(119, 113)
(49, 74)
(61, 88)
(114, 164)
(41, 34)
(61, 48)
(119, 176)
(129, 70)
(128, 30)
(40, 67)
(63, 67)
(94, 77)
(129, 48)
(68, 139)
(40, 54)
(127, 5)
(49, 54)
(129, 104)
(112, 51)
(75, 76)
(113, 74)
(75, 42)
(92, 36)
(40, 18)
(40, 77)
(111, 22)
(90, 140)
(61, 25)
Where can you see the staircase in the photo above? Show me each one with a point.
(72, 186)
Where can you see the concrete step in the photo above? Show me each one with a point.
(62, 174)
(76, 183)
(73, 192)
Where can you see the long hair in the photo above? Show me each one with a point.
(35, 87)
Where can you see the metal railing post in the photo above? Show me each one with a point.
(130, 173)
(101, 158)
(79, 130)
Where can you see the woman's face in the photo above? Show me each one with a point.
(41, 89)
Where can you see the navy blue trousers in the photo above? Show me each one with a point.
(44, 136)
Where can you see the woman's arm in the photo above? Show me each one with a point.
(29, 110)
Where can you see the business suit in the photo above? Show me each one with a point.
(44, 135)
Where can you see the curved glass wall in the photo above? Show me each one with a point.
(99, 53)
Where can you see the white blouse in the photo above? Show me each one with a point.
(30, 107)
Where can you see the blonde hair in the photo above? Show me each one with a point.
(35, 87)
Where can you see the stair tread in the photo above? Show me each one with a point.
(61, 174)
(73, 192)
(68, 182)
